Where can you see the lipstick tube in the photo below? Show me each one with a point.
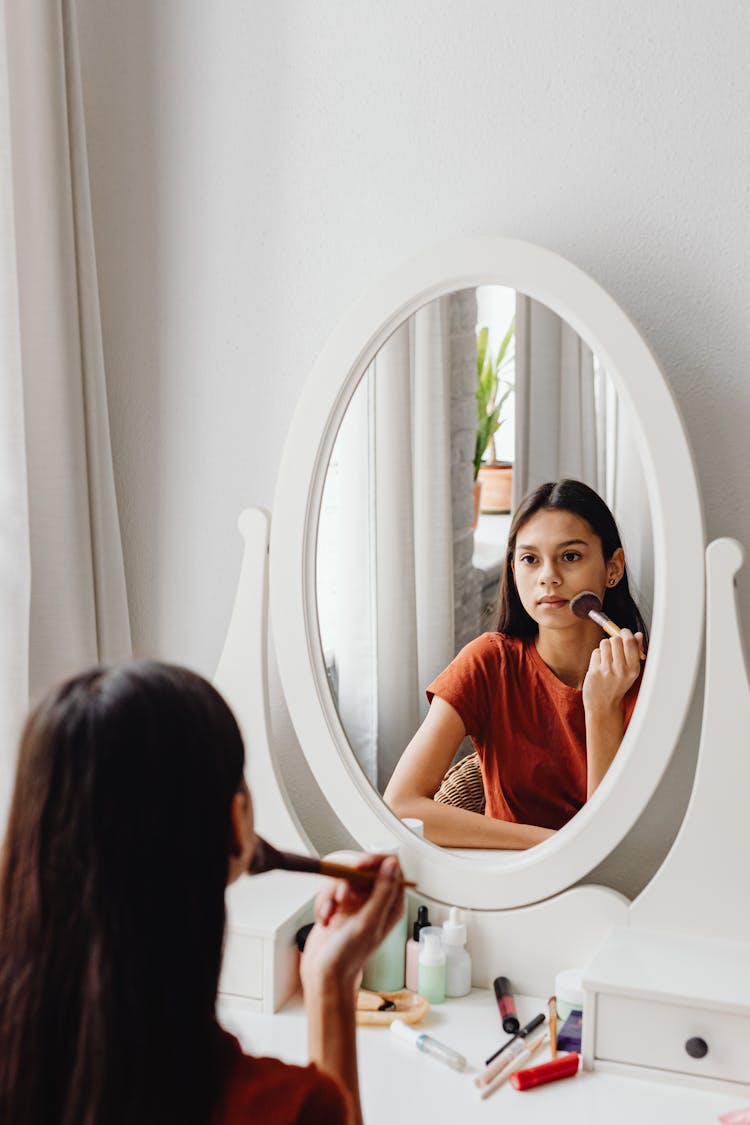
(507, 1005)
(564, 1066)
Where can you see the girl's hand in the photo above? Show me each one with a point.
(350, 923)
(613, 669)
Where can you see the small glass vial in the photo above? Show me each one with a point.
(457, 959)
(431, 964)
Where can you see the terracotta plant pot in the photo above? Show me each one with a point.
(497, 484)
(476, 492)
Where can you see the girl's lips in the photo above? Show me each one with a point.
(553, 601)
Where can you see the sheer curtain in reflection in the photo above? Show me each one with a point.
(570, 422)
(386, 543)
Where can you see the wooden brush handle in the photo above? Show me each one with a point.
(353, 874)
(610, 627)
(269, 858)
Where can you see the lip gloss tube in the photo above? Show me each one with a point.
(492, 1069)
(507, 1005)
(429, 1046)
(564, 1066)
(522, 1032)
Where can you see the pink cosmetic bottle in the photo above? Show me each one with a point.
(412, 949)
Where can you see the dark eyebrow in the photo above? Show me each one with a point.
(567, 543)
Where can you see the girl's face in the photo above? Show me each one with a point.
(557, 555)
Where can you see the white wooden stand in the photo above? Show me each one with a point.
(529, 944)
(260, 962)
(681, 971)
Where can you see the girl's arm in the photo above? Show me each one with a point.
(417, 778)
(613, 669)
(349, 926)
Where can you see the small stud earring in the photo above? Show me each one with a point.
(611, 581)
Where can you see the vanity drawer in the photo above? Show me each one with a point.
(242, 966)
(651, 1034)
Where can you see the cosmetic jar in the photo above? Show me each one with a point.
(569, 992)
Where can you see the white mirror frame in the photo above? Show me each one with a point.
(678, 537)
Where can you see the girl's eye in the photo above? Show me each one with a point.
(571, 556)
(527, 559)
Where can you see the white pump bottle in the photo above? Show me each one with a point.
(457, 959)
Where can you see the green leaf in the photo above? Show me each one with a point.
(483, 335)
(506, 342)
(489, 382)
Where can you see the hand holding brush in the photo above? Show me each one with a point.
(587, 604)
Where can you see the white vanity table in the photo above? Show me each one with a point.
(526, 917)
(401, 1086)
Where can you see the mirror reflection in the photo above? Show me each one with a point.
(409, 573)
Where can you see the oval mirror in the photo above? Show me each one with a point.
(415, 516)
(427, 314)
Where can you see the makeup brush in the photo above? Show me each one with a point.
(268, 858)
(587, 604)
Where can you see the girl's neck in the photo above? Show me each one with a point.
(567, 652)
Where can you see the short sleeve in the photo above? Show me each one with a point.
(468, 682)
(324, 1104)
(267, 1091)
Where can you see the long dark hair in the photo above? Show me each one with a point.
(576, 497)
(112, 901)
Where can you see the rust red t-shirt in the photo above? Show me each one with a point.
(265, 1091)
(527, 726)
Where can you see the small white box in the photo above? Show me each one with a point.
(664, 1005)
(261, 960)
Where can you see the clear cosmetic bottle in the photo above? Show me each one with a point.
(428, 1045)
(457, 959)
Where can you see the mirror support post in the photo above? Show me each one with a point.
(242, 678)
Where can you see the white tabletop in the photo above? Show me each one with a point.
(400, 1085)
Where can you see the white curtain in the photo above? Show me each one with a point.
(570, 422)
(556, 427)
(15, 563)
(386, 543)
(62, 600)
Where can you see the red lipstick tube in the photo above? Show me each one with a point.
(507, 1005)
(564, 1066)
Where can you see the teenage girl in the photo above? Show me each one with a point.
(130, 815)
(547, 698)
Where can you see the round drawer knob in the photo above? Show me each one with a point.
(696, 1047)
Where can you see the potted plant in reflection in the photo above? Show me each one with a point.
(492, 478)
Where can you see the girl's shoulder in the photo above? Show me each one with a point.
(497, 642)
(297, 1093)
(494, 648)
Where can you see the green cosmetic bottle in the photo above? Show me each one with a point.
(431, 964)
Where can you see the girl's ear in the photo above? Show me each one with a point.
(237, 815)
(616, 567)
(241, 834)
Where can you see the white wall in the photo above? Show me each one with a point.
(256, 166)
